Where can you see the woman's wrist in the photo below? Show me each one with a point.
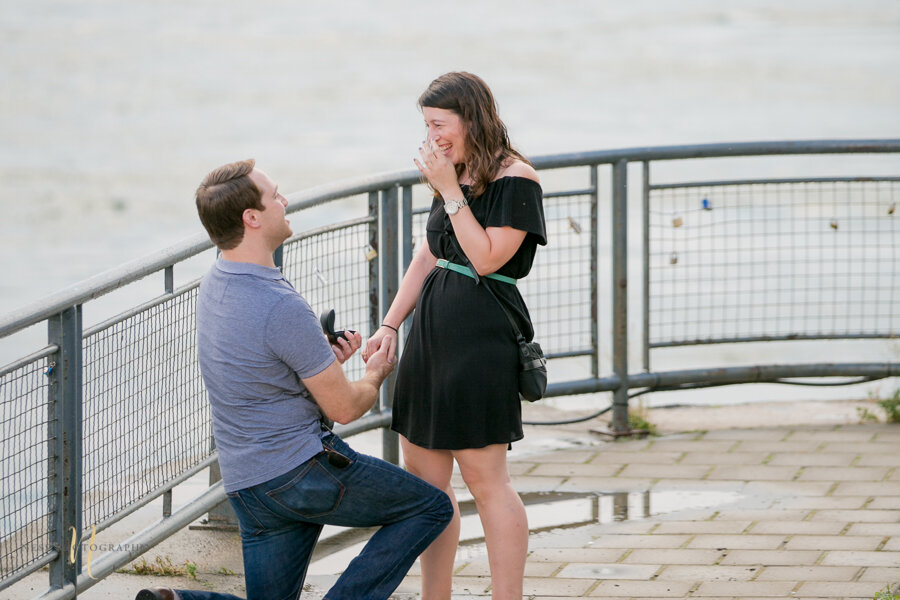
(397, 331)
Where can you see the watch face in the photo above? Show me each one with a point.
(451, 207)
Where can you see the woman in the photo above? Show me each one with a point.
(456, 396)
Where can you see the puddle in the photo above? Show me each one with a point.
(547, 512)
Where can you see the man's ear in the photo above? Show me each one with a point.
(250, 218)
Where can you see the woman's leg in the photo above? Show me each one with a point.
(502, 517)
(435, 467)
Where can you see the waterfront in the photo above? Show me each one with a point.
(113, 113)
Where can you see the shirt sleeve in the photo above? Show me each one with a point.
(294, 334)
(519, 204)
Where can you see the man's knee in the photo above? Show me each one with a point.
(442, 507)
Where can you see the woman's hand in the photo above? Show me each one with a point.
(438, 170)
(344, 349)
(384, 337)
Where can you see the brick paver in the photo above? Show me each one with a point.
(680, 556)
(707, 573)
(834, 542)
(770, 558)
(798, 527)
(807, 573)
(727, 458)
(778, 512)
(812, 460)
(862, 559)
(636, 589)
(805, 513)
(839, 589)
(883, 574)
(738, 542)
(754, 472)
(731, 589)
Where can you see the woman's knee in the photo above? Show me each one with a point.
(433, 466)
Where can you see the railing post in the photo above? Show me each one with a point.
(221, 516)
(374, 229)
(595, 279)
(388, 266)
(645, 212)
(620, 294)
(65, 331)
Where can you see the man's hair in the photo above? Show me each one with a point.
(222, 198)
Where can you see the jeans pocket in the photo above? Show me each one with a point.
(250, 525)
(313, 493)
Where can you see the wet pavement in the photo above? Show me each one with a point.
(792, 510)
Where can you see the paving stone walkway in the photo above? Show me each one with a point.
(803, 512)
(792, 511)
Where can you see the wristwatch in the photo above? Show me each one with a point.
(452, 206)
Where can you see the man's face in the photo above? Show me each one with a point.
(273, 223)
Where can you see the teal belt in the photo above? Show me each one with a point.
(446, 264)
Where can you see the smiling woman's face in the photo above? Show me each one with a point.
(448, 131)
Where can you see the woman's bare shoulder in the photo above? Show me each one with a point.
(518, 168)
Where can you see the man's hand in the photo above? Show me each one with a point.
(344, 349)
(386, 338)
(344, 401)
(380, 363)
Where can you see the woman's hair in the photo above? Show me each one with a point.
(487, 142)
(222, 198)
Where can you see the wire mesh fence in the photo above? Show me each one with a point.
(331, 269)
(146, 418)
(25, 504)
(558, 290)
(727, 261)
(774, 260)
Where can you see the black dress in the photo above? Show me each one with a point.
(457, 379)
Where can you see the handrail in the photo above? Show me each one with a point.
(138, 269)
(56, 374)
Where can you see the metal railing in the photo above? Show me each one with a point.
(102, 420)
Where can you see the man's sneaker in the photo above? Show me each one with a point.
(157, 594)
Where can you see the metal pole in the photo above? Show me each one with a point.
(169, 279)
(221, 516)
(406, 246)
(65, 331)
(619, 422)
(374, 251)
(595, 278)
(645, 332)
(389, 265)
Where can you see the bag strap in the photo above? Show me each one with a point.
(468, 264)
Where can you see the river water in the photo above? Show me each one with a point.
(112, 112)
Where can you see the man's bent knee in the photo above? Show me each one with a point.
(442, 508)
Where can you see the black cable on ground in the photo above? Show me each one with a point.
(697, 386)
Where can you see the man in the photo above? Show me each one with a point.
(271, 377)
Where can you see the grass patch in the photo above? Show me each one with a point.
(865, 415)
(637, 419)
(888, 593)
(162, 566)
(891, 408)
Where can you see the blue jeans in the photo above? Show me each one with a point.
(280, 522)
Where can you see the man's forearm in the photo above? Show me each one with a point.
(365, 396)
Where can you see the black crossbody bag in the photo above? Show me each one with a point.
(532, 364)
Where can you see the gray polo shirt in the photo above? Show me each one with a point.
(256, 338)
